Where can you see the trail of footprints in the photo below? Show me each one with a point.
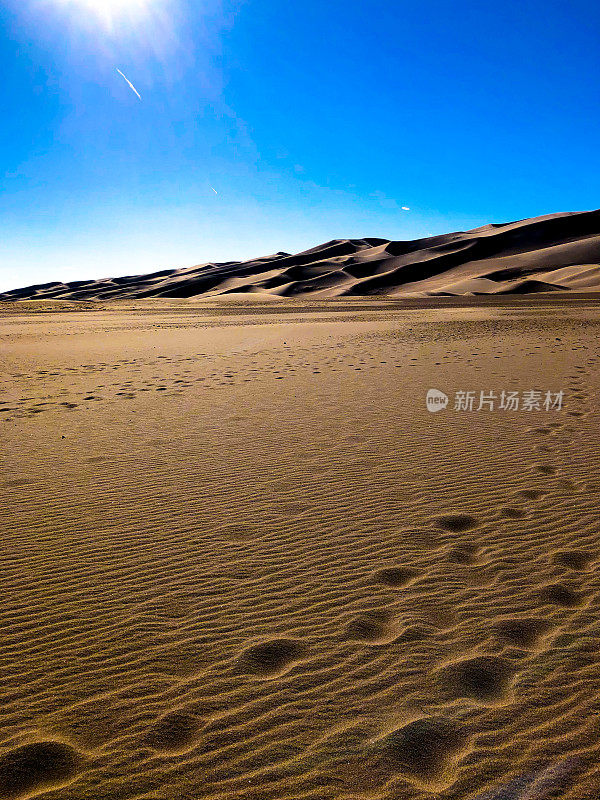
(280, 363)
(422, 749)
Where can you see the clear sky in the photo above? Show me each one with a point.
(270, 125)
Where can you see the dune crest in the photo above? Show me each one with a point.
(559, 252)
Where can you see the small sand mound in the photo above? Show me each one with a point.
(34, 767)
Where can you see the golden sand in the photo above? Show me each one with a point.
(240, 559)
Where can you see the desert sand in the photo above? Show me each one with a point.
(240, 560)
(554, 253)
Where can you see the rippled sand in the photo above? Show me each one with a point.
(239, 558)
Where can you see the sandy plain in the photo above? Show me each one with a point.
(241, 560)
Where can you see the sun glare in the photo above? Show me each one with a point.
(111, 10)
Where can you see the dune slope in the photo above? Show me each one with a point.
(560, 252)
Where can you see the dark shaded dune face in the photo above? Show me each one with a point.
(423, 747)
(174, 732)
(560, 595)
(529, 287)
(34, 767)
(456, 523)
(483, 678)
(302, 273)
(273, 657)
(396, 577)
(521, 632)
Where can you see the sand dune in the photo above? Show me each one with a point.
(240, 560)
(560, 252)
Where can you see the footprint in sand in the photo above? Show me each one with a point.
(34, 767)
(395, 577)
(463, 554)
(272, 658)
(561, 595)
(422, 748)
(511, 512)
(375, 627)
(438, 615)
(456, 523)
(15, 483)
(521, 631)
(238, 532)
(545, 469)
(568, 485)
(531, 494)
(573, 559)
(175, 732)
(483, 678)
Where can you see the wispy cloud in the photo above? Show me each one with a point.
(131, 86)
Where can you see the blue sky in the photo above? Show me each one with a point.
(311, 121)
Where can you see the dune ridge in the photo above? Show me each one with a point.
(558, 252)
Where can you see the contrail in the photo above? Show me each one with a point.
(214, 190)
(132, 87)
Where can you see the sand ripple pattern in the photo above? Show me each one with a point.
(307, 587)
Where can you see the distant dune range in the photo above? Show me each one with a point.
(559, 252)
